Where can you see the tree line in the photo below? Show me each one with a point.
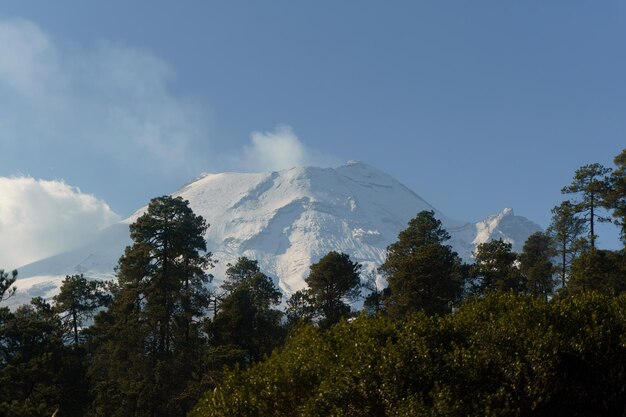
(159, 338)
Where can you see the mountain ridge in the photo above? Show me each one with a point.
(286, 220)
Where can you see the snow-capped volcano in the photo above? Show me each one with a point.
(286, 220)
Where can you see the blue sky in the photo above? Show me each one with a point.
(476, 106)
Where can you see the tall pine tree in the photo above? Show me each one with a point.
(149, 359)
(495, 270)
(591, 183)
(566, 230)
(334, 281)
(78, 301)
(535, 264)
(247, 319)
(422, 271)
(616, 197)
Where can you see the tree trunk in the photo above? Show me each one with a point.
(75, 323)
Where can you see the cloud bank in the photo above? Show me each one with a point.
(112, 101)
(41, 218)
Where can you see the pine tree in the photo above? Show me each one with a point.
(246, 273)
(38, 373)
(591, 183)
(300, 308)
(599, 270)
(616, 196)
(78, 301)
(374, 301)
(494, 268)
(146, 365)
(333, 281)
(536, 265)
(247, 319)
(6, 284)
(423, 273)
(566, 229)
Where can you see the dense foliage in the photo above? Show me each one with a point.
(38, 372)
(501, 355)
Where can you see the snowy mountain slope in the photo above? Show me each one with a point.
(286, 220)
(98, 256)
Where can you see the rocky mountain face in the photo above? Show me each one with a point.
(286, 220)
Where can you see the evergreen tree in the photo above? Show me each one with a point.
(300, 308)
(599, 270)
(494, 268)
(38, 373)
(616, 197)
(591, 183)
(535, 264)
(247, 319)
(374, 301)
(566, 230)
(333, 281)
(77, 302)
(422, 272)
(246, 273)
(6, 284)
(147, 366)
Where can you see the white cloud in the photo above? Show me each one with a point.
(108, 102)
(41, 218)
(111, 100)
(280, 149)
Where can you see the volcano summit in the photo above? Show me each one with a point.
(286, 220)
